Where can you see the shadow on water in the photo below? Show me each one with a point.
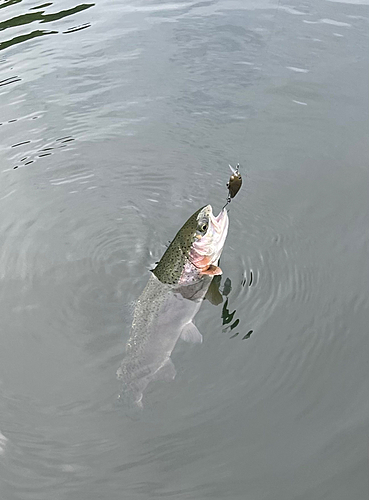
(37, 16)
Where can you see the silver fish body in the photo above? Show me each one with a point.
(170, 300)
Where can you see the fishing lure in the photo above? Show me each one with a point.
(234, 184)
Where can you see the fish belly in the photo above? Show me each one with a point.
(160, 315)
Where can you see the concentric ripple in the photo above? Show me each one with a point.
(264, 253)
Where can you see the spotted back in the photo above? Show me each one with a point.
(171, 265)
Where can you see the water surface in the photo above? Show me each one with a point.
(118, 121)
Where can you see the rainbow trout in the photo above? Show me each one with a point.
(170, 300)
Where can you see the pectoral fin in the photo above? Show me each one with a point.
(191, 334)
(213, 294)
(166, 372)
(212, 270)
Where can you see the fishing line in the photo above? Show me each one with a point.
(272, 33)
(235, 181)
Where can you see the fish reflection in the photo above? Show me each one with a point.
(228, 318)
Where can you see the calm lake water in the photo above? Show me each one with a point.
(117, 122)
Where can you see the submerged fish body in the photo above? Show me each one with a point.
(170, 300)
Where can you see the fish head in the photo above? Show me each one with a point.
(209, 238)
(196, 247)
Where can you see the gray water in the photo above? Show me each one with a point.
(118, 121)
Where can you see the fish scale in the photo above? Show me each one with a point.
(171, 265)
(170, 300)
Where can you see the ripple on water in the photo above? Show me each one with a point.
(269, 274)
(3, 443)
(29, 142)
(35, 460)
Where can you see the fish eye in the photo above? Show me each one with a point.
(203, 227)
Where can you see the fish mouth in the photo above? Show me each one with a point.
(220, 231)
(220, 221)
(207, 249)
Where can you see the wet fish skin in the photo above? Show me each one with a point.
(171, 299)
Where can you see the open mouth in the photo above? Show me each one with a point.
(220, 220)
(207, 250)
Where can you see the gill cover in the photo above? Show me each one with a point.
(198, 244)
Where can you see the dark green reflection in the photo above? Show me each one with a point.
(65, 13)
(31, 17)
(227, 318)
(24, 38)
(42, 6)
(215, 296)
(9, 2)
(36, 16)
